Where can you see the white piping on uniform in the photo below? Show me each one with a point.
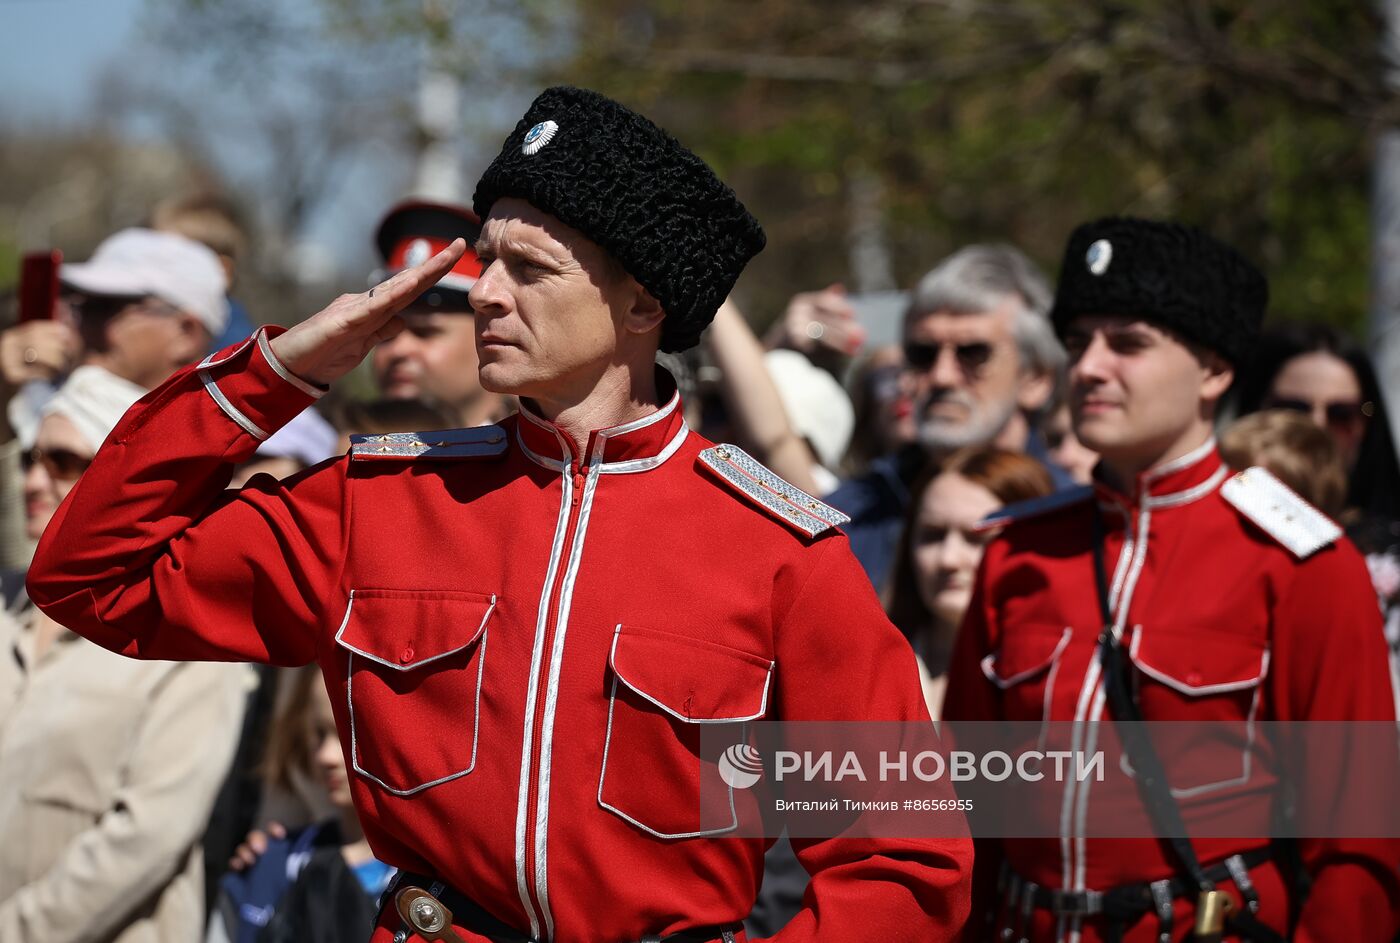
(232, 411)
(647, 464)
(1096, 711)
(551, 699)
(522, 878)
(1178, 498)
(282, 371)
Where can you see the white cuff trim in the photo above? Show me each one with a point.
(281, 370)
(233, 411)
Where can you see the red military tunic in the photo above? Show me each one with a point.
(1222, 623)
(519, 643)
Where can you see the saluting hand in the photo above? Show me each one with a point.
(330, 343)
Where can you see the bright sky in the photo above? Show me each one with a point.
(52, 50)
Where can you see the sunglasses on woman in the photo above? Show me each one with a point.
(59, 464)
(1341, 414)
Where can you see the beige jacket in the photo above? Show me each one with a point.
(108, 770)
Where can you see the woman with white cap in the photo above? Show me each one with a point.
(111, 764)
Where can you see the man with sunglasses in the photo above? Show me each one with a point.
(144, 305)
(981, 364)
(1175, 591)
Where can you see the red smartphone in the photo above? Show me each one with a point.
(38, 285)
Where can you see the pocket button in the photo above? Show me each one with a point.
(406, 655)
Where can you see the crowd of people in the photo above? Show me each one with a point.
(163, 800)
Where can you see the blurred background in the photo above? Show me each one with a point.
(871, 138)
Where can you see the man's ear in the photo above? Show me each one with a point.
(644, 313)
(1217, 374)
(1034, 391)
(194, 338)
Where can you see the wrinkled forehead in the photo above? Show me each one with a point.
(514, 222)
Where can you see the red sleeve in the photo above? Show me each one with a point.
(969, 696)
(839, 658)
(1331, 664)
(150, 557)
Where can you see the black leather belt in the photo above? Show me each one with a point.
(1133, 900)
(471, 915)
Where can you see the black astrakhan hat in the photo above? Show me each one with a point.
(659, 210)
(1167, 273)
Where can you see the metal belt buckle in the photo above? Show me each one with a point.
(427, 915)
(1212, 907)
(1076, 903)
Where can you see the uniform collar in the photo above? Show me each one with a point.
(1180, 481)
(636, 446)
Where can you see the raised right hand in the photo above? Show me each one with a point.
(330, 343)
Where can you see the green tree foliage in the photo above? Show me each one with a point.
(1015, 119)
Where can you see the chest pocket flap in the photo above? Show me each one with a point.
(693, 680)
(407, 629)
(1197, 662)
(1024, 654)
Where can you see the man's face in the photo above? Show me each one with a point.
(966, 375)
(148, 339)
(432, 359)
(1138, 391)
(548, 304)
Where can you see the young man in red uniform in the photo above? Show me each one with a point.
(1233, 600)
(523, 626)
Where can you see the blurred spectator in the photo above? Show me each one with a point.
(148, 303)
(1065, 449)
(216, 222)
(1316, 371)
(884, 408)
(941, 546)
(384, 415)
(319, 884)
(791, 414)
(305, 441)
(34, 355)
(110, 764)
(819, 324)
(982, 362)
(1295, 449)
(434, 359)
(818, 409)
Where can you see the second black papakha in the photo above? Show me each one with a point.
(1173, 275)
(625, 183)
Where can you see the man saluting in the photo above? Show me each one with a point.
(523, 626)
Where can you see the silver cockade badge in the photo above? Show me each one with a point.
(1099, 256)
(538, 136)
